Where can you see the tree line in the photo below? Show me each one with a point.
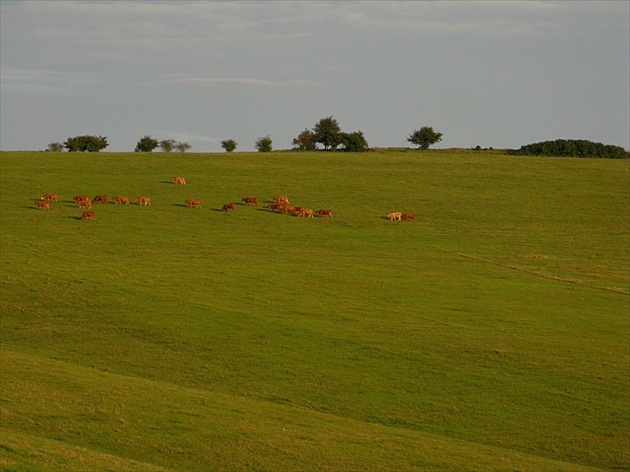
(326, 132)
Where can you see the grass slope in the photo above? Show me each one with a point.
(489, 334)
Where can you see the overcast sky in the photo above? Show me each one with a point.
(496, 73)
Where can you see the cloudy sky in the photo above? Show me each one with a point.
(493, 73)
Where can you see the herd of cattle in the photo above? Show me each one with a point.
(281, 204)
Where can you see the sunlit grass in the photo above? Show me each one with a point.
(493, 330)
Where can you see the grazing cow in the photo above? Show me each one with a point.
(121, 199)
(84, 204)
(193, 203)
(305, 212)
(143, 201)
(49, 197)
(42, 205)
(275, 206)
(228, 206)
(322, 213)
(88, 215)
(282, 199)
(100, 198)
(394, 216)
(80, 197)
(179, 180)
(408, 216)
(249, 200)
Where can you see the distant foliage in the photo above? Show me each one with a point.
(146, 144)
(182, 147)
(572, 148)
(167, 145)
(264, 144)
(354, 142)
(55, 147)
(229, 145)
(305, 141)
(86, 143)
(328, 132)
(424, 137)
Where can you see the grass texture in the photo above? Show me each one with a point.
(491, 333)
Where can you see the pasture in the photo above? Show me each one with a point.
(490, 333)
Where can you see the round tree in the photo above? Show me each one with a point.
(146, 144)
(424, 137)
(264, 144)
(228, 144)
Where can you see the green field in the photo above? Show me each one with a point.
(491, 333)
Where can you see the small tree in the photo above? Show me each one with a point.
(86, 143)
(328, 133)
(424, 137)
(229, 145)
(264, 144)
(305, 141)
(55, 147)
(146, 144)
(182, 147)
(167, 145)
(354, 142)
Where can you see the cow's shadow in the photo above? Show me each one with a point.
(180, 205)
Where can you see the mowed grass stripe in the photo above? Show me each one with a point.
(402, 324)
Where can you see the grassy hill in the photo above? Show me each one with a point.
(491, 333)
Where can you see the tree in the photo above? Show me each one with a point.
(167, 145)
(354, 142)
(55, 147)
(328, 133)
(86, 143)
(305, 141)
(424, 137)
(228, 144)
(264, 144)
(182, 147)
(146, 144)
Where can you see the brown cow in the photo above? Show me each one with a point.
(228, 206)
(84, 204)
(49, 197)
(282, 199)
(322, 213)
(80, 197)
(249, 200)
(100, 198)
(88, 215)
(178, 180)
(121, 199)
(275, 206)
(305, 212)
(408, 216)
(143, 201)
(42, 205)
(193, 203)
(394, 216)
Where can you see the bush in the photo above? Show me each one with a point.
(354, 142)
(229, 145)
(572, 148)
(146, 144)
(264, 144)
(86, 143)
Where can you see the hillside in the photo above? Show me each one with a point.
(490, 333)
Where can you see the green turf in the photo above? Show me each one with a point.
(491, 333)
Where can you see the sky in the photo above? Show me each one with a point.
(498, 74)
